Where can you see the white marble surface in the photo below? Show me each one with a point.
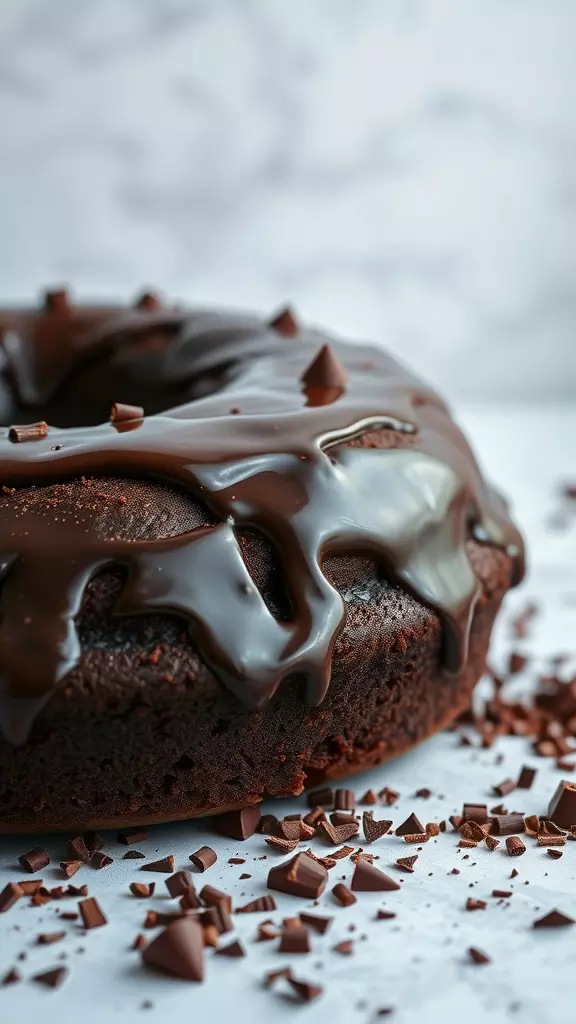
(402, 170)
(416, 963)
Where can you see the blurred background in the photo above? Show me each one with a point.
(399, 170)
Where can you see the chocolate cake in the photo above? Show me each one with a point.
(274, 562)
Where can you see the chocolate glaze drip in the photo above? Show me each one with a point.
(261, 449)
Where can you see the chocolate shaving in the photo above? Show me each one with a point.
(333, 835)
(514, 846)
(100, 860)
(29, 432)
(121, 413)
(282, 845)
(407, 863)
(34, 860)
(204, 858)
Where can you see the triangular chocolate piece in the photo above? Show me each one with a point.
(368, 878)
(300, 876)
(325, 371)
(178, 950)
(53, 978)
(233, 949)
(555, 919)
(334, 835)
(285, 323)
(165, 865)
(147, 301)
(240, 824)
(407, 863)
(411, 827)
(305, 990)
(374, 829)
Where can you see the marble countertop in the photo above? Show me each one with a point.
(402, 170)
(415, 963)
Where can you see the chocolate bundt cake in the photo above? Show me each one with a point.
(275, 562)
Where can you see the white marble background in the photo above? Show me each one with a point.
(403, 170)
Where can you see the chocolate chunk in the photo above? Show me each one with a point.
(389, 796)
(306, 830)
(368, 878)
(92, 916)
(338, 818)
(345, 948)
(100, 860)
(333, 835)
(526, 778)
(554, 919)
(52, 978)
(507, 824)
(34, 860)
(562, 807)
(189, 899)
(256, 906)
(475, 812)
(374, 830)
(369, 797)
(289, 830)
(321, 798)
(234, 949)
(210, 935)
(503, 894)
(294, 940)
(407, 863)
(273, 976)
(47, 938)
(491, 843)
(70, 867)
(77, 890)
(239, 825)
(516, 663)
(300, 876)
(305, 990)
(141, 890)
(472, 904)
(284, 322)
(384, 915)
(130, 838)
(555, 854)
(29, 432)
(477, 956)
(266, 931)
(121, 413)
(165, 865)
(134, 855)
(532, 824)
(325, 371)
(411, 826)
(76, 849)
(218, 917)
(236, 860)
(282, 845)
(68, 915)
(433, 828)
(11, 977)
(204, 858)
(342, 894)
(505, 787)
(9, 895)
(514, 846)
(29, 888)
(212, 897)
(456, 821)
(472, 830)
(344, 800)
(469, 844)
(147, 302)
(56, 300)
(320, 925)
(178, 950)
(179, 883)
(267, 825)
(93, 842)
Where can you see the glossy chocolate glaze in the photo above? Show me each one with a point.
(248, 418)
